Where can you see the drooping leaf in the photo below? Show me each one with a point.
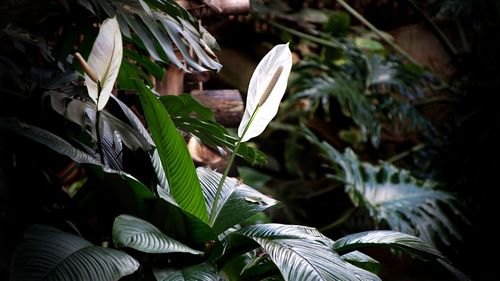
(362, 261)
(48, 139)
(396, 240)
(160, 27)
(200, 272)
(49, 254)
(237, 201)
(177, 163)
(132, 232)
(300, 253)
(104, 61)
(395, 197)
(265, 91)
(216, 136)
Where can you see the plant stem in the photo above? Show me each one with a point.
(370, 26)
(403, 154)
(226, 171)
(98, 135)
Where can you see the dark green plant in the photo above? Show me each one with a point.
(139, 207)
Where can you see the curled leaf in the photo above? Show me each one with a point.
(104, 61)
(265, 91)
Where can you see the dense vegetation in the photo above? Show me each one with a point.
(370, 150)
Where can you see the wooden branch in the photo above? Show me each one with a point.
(226, 105)
(210, 7)
(173, 80)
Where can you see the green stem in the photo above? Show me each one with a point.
(406, 153)
(226, 171)
(98, 135)
(382, 36)
(302, 35)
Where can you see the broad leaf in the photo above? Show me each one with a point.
(177, 163)
(49, 254)
(265, 91)
(387, 238)
(104, 61)
(396, 240)
(237, 201)
(200, 272)
(300, 253)
(48, 139)
(395, 197)
(184, 105)
(132, 232)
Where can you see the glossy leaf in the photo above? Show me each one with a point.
(394, 196)
(46, 253)
(300, 253)
(132, 232)
(184, 105)
(104, 60)
(237, 201)
(265, 91)
(48, 139)
(177, 163)
(160, 27)
(200, 272)
(216, 136)
(362, 261)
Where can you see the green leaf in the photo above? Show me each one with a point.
(200, 272)
(132, 232)
(216, 136)
(362, 261)
(161, 27)
(394, 196)
(183, 105)
(48, 139)
(368, 44)
(177, 163)
(237, 201)
(300, 253)
(396, 240)
(386, 238)
(46, 253)
(265, 91)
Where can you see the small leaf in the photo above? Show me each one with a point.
(105, 60)
(132, 232)
(265, 91)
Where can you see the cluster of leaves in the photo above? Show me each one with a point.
(139, 207)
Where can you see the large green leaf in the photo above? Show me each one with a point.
(237, 201)
(49, 254)
(300, 253)
(161, 27)
(204, 127)
(394, 196)
(177, 163)
(200, 272)
(133, 232)
(47, 138)
(396, 240)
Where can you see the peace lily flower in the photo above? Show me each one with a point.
(265, 91)
(103, 63)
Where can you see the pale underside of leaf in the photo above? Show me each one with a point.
(132, 232)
